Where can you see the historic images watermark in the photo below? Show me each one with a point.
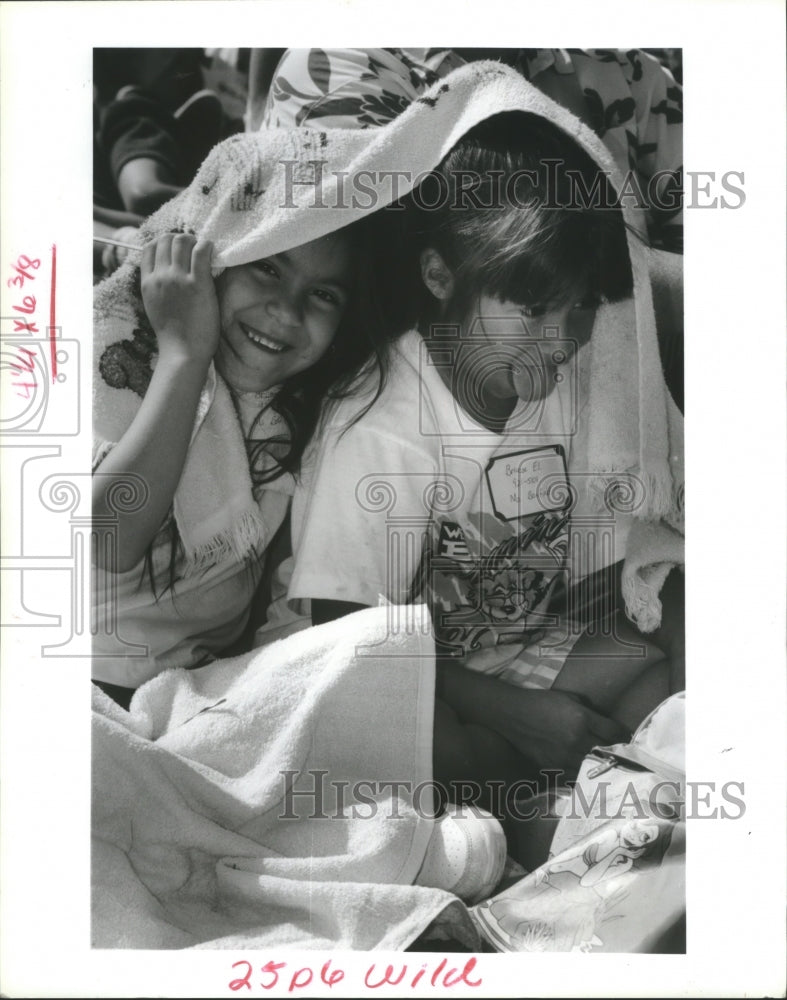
(310, 794)
(665, 190)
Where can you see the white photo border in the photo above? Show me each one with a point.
(733, 59)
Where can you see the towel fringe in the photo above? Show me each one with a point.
(647, 496)
(237, 543)
(643, 606)
(640, 589)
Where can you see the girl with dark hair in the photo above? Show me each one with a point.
(204, 415)
(517, 223)
(468, 484)
(459, 471)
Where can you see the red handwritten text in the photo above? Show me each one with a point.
(23, 267)
(294, 979)
(24, 365)
(23, 368)
(451, 978)
(298, 980)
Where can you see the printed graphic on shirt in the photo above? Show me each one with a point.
(490, 579)
(452, 543)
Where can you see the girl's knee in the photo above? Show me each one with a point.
(645, 694)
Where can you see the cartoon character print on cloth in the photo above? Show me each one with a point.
(501, 594)
(509, 592)
(614, 878)
(565, 905)
(489, 581)
(126, 364)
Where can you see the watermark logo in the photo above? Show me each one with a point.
(32, 404)
(310, 183)
(310, 794)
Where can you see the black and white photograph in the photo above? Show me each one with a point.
(390, 628)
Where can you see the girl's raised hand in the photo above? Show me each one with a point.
(179, 296)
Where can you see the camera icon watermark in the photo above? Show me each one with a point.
(35, 403)
(500, 355)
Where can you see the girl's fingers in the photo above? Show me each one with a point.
(201, 258)
(148, 261)
(182, 246)
(178, 250)
(163, 247)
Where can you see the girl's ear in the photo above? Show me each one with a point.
(437, 275)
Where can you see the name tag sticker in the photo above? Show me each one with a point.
(523, 483)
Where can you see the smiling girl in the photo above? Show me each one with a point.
(279, 316)
(274, 336)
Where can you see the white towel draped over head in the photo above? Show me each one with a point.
(265, 192)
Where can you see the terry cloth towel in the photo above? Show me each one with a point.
(230, 809)
(261, 193)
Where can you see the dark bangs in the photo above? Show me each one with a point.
(520, 212)
(523, 258)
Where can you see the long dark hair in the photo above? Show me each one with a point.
(374, 315)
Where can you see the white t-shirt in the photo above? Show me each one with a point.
(417, 501)
(191, 623)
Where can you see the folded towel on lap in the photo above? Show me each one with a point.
(230, 810)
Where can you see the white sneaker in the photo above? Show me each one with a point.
(466, 853)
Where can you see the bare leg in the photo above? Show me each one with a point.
(473, 764)
(467, 757)
(641, 697)
(601, 668)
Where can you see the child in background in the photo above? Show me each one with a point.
(465, 484)
(224, 380)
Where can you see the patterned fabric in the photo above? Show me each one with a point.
(627, 97)
(351, 88)
(538, 665)
(615, 877)
(635, 106)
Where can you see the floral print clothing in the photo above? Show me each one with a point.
(626, 96)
